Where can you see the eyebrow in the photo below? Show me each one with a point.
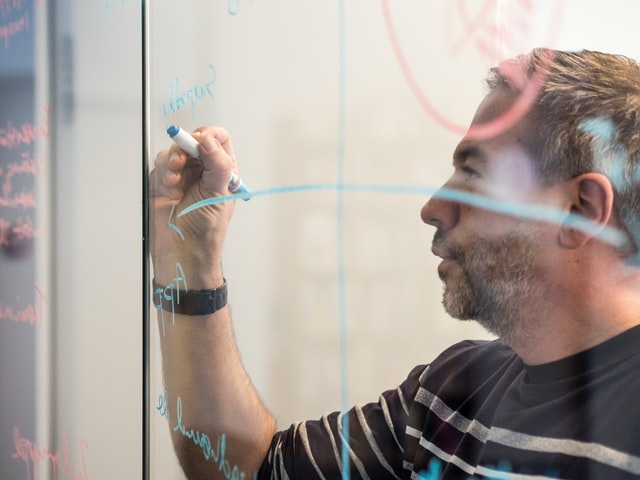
(468, 150)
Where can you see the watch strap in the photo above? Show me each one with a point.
(189, 302)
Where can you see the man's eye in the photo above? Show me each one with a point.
(468, 171)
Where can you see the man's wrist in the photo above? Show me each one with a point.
(189, 301)
(192, 274)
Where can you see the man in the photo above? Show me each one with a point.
(537, 229)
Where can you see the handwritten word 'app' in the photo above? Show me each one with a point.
(170, 293)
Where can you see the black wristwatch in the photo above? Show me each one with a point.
(192, 302)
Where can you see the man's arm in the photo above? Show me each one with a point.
(207, 387)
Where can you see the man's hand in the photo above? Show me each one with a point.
(194, 240)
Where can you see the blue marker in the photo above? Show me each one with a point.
(190, 145)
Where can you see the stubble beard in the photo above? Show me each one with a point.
(499, 285)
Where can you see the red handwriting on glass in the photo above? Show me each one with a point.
(22, 199)
(32, 456)
(13, 137)
(488, 32)
(491, 28)
(31, 314)
(27, 166)
(17, 231)
(474, 25)
(8, 6)
(11, 28)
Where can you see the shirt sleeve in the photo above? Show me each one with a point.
(315, 449)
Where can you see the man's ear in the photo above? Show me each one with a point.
(590, 205)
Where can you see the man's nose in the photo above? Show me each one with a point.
(440, 212)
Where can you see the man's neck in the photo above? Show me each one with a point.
(566, 333)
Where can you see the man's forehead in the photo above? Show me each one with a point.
(510, 135)
(506, 149)
(493, 107)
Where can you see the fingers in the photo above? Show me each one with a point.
(175, 171)
(218, 159)
(172, 168)
(219, 134)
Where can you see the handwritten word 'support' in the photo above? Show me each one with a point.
(179, 99)
(32, 456)
(202, 440)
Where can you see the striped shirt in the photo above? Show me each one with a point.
(478, 412)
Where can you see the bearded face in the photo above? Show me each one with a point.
(492, 280)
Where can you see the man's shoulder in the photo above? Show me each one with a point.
(467, 351)
(471, 361)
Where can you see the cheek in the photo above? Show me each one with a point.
(513, 178)
(483, 225)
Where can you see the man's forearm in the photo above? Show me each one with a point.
(216, 418)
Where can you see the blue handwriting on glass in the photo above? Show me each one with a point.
(502, 472)
(107, 5)
(202, 440)
(180, 99)
(167, 293)
(233, 7)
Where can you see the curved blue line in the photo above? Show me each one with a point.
(528, 211)
(171, 225)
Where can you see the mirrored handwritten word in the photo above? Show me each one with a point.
(180, 99)
(32, 456)
(202, 440)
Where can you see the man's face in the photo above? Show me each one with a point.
(493, 263)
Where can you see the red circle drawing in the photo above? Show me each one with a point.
(490, 128)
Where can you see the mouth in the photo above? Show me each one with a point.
(443, 253)
(448, 257)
